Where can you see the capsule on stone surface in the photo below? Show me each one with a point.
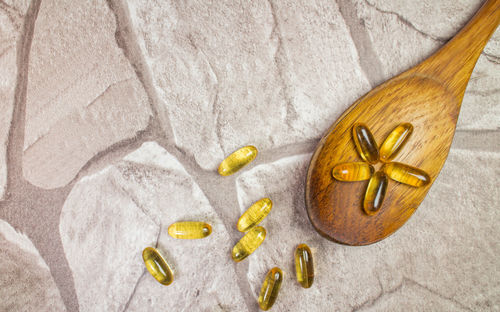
(256, 213)
(355, 171)
(406, 174)
(248, 243)
(304, 265)
(237, 160)
(189, 230)
(270, 288)
(365, 143)
(395, 141)
(375, 193)
(157, 266)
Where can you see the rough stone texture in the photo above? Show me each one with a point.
(11, 24)
(83, 94)
(411, 31)
(26, 283)
(129, 206)
(221, 75)
(233, 73)
(444, 257)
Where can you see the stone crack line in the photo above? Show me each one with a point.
(405, 282)
(127, 41)
(291, 113)
(491, 57)
(368, 60)
(407, 23)
(16, 135)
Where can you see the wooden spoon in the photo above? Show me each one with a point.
(428, 96)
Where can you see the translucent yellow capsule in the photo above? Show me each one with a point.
(395, 141)
(189, 230)
(375, 193)
(355, 171)
(365, 143)
(237, 160)
(157, 266)
(406, 174)
(248, 243)
(270, 288)
(304, 265)
(256, 213)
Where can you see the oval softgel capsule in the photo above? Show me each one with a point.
(189, 230)
(237, 160)
(270, 288)
(157, 266)
(248, 243)
(254, 214)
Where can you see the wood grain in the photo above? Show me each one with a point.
(429, 97)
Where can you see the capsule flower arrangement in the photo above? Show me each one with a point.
(371, 154)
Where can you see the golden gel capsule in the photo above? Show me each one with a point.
(237, 160)
(248, 243)
(355, 171)
(157, 266)
(365, 143)
(270, 288)
(189, 230)
(375, 193)
(406, 174)
(304, 265)
(395, 141)
(256, 213)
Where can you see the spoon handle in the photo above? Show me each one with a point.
(453, 64)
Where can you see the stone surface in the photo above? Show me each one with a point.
(234, 73)
(223, 75)
(129, 206)
(410, 32)
(26, 283)
(83, 95)
(11, 24)
(444, 257)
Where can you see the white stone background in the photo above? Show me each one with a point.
(114, 116)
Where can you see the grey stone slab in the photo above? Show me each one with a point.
(11, 21)
(82, 96)
(237, 73)
(129, 206)
(26, 283)
(445, 256)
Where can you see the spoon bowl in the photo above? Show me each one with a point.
(429, 97)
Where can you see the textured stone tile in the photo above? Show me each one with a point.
(234, 73)
(26, 283)
(445, 255)
(83, 94)
(11, 24)
(129, 206)
(103, 232)
(403, 33)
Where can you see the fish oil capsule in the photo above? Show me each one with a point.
(365, 143)
(237, 160)
(256, 213)
(406, 174)
(157, 266)
(189, 230)
(248, 243)
(375, 193)
(355, 171)
(270, 288)
(395, 141)
(304, 265)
